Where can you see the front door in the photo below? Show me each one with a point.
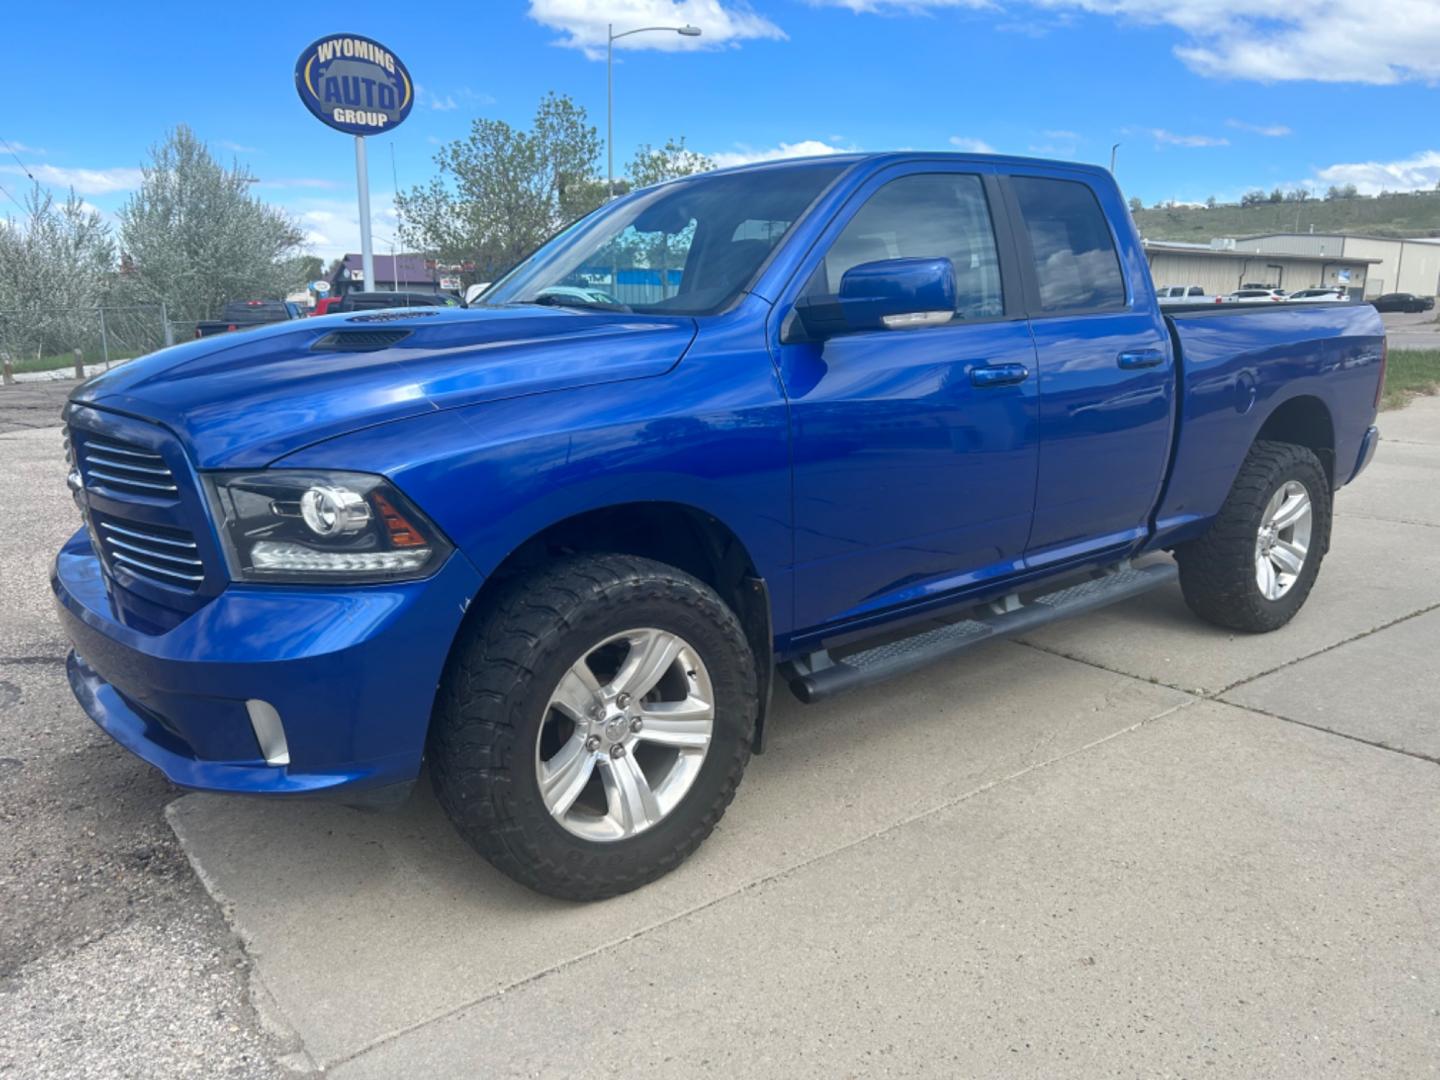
(914, 476)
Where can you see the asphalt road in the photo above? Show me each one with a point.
(29, 405)
(1412, 330)
(1126, 845)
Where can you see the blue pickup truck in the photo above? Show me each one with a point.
(811, 423)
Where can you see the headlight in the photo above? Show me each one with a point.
(292, 525)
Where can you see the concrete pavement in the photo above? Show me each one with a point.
(1128, 845)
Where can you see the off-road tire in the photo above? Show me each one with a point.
(493, 699)
(1217, 572)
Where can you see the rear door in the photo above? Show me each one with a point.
(1106, 373)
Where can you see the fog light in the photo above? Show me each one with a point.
(334, 511)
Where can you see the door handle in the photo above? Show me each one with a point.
(1141, 358)
(999, 374)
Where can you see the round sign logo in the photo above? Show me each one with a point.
(354, 84)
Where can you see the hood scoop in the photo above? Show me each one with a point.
(359, 340)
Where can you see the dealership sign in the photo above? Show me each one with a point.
(354, 84)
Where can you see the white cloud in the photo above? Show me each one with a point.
(1382, 41)
(1418, 173)
(237, 148)
(971, 146)
(1270, 131)
(1160, 135)
(583, 23)
(444, 104)
(332, 226)
(746, 155)
(84, 181)
(21, 148)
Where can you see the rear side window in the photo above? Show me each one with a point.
(1076, 265)
(1196, 290)
(927, 216)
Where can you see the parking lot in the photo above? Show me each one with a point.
(1131, 845)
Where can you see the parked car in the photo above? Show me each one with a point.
(1403, 301)
(1182, 294)
(1254, 296)
(373, 301)
(586, 295)
(563, 554)
(1329, 295)
(248, 314)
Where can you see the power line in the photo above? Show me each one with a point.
(23, 169)
(12, 197)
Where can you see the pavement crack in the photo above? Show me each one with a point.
(1388, 520)
(1432, 759)
(1321, 652)
(40, 660)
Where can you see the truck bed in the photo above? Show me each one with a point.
(1248, 359)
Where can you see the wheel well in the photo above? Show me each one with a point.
(1304, 421)
(679, 536)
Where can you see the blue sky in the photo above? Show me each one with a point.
(1204, 98)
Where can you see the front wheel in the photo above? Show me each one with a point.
(594, 724)
(1255, 566)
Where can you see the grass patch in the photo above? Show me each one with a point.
(1410, 373)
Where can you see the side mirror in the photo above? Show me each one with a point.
(891, 294)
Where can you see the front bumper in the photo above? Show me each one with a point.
(350, 671)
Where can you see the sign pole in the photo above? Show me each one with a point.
(362, 181)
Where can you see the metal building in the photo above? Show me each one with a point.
(1411, 266)
(1220, 268)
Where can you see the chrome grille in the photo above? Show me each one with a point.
(165, 556)
(126, 468)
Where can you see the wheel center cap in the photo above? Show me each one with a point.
(616, 728)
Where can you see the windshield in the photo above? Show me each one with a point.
(684, 248)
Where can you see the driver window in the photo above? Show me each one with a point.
(935, 215)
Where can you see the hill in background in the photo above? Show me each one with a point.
(1409, 215)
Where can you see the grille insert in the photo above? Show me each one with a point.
(126, 468)
(167, 557)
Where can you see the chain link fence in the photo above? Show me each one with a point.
(40, 340)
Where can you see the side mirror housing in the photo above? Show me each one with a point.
(891, 294)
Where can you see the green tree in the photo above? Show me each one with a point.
(652, 166)
(197, 237)
(56, 266)
(1136, 205)
(502, 191)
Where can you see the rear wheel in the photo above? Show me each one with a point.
(1254, 568)
(594, 724)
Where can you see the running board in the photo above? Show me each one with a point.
(817, 675)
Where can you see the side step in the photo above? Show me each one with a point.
(817, 675)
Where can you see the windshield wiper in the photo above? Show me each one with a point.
(560, 300)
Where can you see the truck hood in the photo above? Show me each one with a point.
(242, 400)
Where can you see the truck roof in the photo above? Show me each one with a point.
(890, 157)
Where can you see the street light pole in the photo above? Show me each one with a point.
(610, 38)
(1112, 158)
